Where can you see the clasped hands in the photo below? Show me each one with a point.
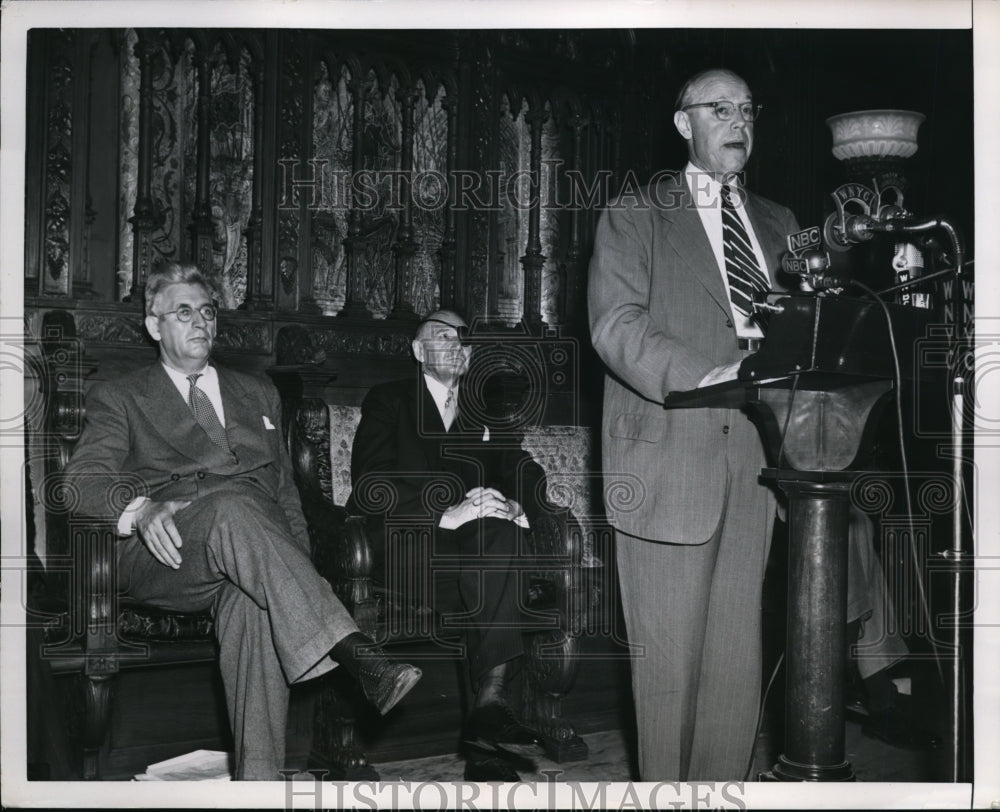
(480, 503)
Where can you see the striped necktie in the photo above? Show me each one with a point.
(204, 413)
(742, 269)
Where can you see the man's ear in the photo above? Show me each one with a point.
(467, 353)
(153, 327)
(418, 349)
(683, 124)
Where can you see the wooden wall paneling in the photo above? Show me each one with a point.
(57, 240)
(355, 300)
(482, 110)
(144, 217)
(571, 301)
(405, 246)
(290, 199)
(533, 260)
(306, 300)
(81, 213)
(257, 291)
(103, 157)
(448, 250)
(201, 226)
(272, 173)
(37, 89)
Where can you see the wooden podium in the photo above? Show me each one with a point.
(815, 391)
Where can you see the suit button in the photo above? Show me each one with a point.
(725, 430)
(174, 477)
(201, 475)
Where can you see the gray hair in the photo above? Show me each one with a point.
(173, 273)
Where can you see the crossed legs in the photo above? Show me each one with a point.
(276, 618)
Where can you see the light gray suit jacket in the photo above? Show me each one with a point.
(141, 439)
(660, 320)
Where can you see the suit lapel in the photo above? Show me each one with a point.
(686, 236)
(768, 231)
(166, 411)
(244, 420)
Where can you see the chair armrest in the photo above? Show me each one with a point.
(342, 554)
(557, 544)
(92, 642)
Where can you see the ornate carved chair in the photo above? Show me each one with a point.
(389, 614)
(86, 635)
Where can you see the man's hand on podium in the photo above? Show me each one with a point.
(721, 374)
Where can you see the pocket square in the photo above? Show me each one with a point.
(267, 423)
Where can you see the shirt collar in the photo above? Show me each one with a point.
(180, 379)
(437, 389)
(705, 189)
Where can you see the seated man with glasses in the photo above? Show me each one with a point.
(216, 523)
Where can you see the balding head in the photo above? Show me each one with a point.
(448, 317)
(438, 346)
(694, 87)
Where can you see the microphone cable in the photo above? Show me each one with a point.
(781, 658)
(898, 383)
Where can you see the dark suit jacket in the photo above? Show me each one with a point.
(660, 319)
(404, 464)
(140, 438)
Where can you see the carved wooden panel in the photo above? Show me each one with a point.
(56, 269)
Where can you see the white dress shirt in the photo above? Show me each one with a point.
(440, 394)
(707, 194)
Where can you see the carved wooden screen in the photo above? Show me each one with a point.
(365, 175)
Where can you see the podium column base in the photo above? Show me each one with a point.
(786, 770)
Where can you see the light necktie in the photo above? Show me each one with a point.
(204, 413)
(449, 409)
(742, 269)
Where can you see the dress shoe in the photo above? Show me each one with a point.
(385, 682)
(894, 727)
(489, 768)
(495, 723)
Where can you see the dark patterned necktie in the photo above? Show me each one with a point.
(204, 413)
(742, 269)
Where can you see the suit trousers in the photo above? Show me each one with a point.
(880, 644)
(471, 579)
(693, 618)
(276, 618)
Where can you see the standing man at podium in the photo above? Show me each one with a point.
(671, 279)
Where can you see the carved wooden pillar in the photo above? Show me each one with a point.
(534, 260)
(354, 297)
(145, 218)
(573, 273)
(201, 227)
(405, 247)
(448, 248)
(79, 248)
(255, 298)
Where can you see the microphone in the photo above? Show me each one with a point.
(806, 260)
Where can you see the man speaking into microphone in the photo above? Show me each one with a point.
(670, 293)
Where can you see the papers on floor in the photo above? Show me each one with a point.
(201, 765)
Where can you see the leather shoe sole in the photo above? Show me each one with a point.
(394, 683)
(489, 769)
(495, 723)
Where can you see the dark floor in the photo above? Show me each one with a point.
(610, 760)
